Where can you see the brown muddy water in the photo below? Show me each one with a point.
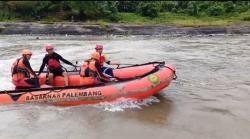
(209, 100)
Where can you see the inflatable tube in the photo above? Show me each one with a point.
(136, 82)
(124, 73)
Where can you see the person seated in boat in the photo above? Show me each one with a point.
(92, 68)
(104, 59)
(23, 75)
(52, 61)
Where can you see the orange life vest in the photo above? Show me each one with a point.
(92, 71)
(83, 69)
(90, 67)
(19, 70)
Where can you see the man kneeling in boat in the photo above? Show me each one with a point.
(22, 71)
(103, 59)
(52, 60)
(92, 68)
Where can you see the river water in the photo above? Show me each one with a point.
(209, 100)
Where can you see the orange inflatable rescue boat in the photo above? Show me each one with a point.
(137, 82)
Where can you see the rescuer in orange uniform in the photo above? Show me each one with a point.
(23, 75)
(92, 68)
(103, 59)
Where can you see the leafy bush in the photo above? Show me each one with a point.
(72, 15)
(127, 6)
(229, 7)
(113, 17)
(174, 10)
(66, 6)
(246, 18)
(167, 6)
(148, 9)
(242, 8)
(216, 10)
(203, 6)
(25, 8)
(41, 7)
(95, 10)
(192, 9)
(182, 4)
(53, 8)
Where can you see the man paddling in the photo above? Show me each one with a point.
(103, 59)
(23, 75)
(52, 60)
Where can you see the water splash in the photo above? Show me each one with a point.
(125, 103)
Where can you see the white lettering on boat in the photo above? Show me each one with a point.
(63, 95)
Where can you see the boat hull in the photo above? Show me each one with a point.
(137, 88)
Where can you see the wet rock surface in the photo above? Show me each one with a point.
(116, 29)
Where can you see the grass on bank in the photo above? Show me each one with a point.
(185, 20)
(180, 20)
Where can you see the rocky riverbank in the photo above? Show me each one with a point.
(116, 29)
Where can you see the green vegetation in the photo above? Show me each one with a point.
(185, 20)
(181, 13)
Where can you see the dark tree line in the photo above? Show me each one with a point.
(93, 10)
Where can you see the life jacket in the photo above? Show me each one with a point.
(102, 60)
(88, 69)
(19, 71)
(53, 64)
(84, 69)
(92, 71)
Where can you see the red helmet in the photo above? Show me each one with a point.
(49, 47)
(98, 47)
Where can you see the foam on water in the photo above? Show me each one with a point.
(5, 81)
(212, 90)
(124, 103)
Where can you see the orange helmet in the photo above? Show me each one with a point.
(95, 55)
(26, 52)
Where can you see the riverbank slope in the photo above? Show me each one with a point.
(77, 28)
